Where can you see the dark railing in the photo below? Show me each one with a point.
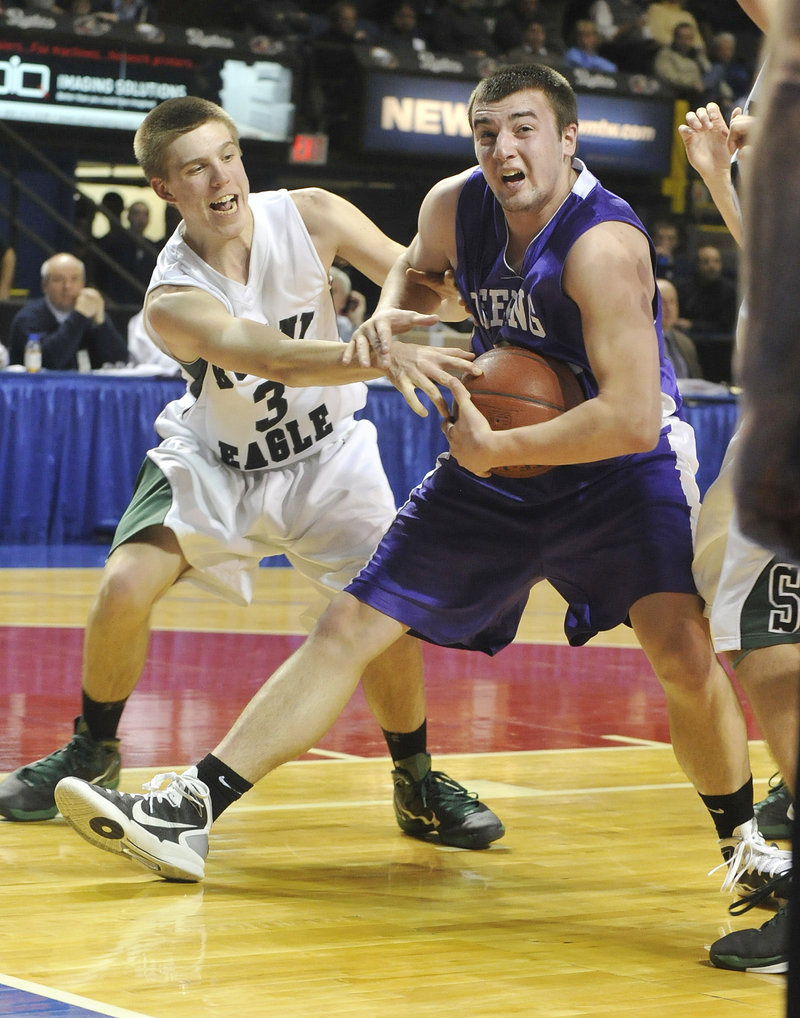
(14, 144)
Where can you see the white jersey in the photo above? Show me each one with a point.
(244, 421)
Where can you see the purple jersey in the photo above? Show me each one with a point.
(531, 309)
(459, 560)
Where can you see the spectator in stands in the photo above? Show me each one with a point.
(69, 318)
(666, 238)
(346, 27)
(456, 27)
(8, 263)
(350, 305)
(401, 33)
(533, 48)
(142, 253)
(678, 346)
(728, 81)
(682, 65)
(128, 249)
(332, 96)
(663, 16)
(281, 19)
(511, 22)
(625, 36)
(707, 299)
(127, 11)
(143, 351)
(584, 49)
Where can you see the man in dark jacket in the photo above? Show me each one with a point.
(69, 318)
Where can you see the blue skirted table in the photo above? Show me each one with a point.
(72, 444)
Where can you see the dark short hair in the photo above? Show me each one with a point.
(526, 77)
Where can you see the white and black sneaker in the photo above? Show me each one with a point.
(754, 866)
(165, 830)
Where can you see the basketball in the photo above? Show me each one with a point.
(520, 387)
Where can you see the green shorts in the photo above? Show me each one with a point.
(152, 498)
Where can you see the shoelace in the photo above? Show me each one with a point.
(179, 787)
(450, 793)
(753, 854)
(755, 898)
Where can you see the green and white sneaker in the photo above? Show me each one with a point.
(28, 793)
(434, 807)
(775, 812)
(763, 950)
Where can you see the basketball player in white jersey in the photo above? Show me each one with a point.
(751, 596)
(262, 456)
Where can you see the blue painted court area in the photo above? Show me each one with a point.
(55, 556)
(19, 1000)
(72, 556)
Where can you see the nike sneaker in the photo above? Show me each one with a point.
(165, 830)
(434, 807)
(775, 812)
(765, 949)
(753, 865)
(27, 794)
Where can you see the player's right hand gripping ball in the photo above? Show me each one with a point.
(519, 387)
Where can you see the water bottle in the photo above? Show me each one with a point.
(33, 353)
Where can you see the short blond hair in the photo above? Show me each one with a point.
(168, 121)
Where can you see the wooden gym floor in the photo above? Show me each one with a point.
(597, 901)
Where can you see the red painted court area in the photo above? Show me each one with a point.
(528, 697)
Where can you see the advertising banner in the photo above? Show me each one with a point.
(424, 115)
(102, 78)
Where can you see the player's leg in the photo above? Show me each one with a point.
(770, 678)
(708, 733)
(287, 716)
(427, 803)
(135, 576)
(707, 725)
(337, 515)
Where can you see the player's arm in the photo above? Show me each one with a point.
(609, 276)
(761, 12)
(405, 301)
(193, 324)
(706, 138)
(339, 229)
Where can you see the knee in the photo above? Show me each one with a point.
(691, 669)
(355, 632)
(125, 589)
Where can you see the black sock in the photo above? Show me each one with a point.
(405, 744)
(730, 811)
(102, 719)
(224, 784)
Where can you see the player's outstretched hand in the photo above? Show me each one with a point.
(371, 343)
(468, 432)
(426, 368)
(705, 137)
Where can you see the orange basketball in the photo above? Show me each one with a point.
(520, 387)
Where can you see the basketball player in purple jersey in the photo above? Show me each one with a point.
(546, 257)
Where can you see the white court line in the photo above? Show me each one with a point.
(93, 1006)
(629, 740)
(495, 790)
